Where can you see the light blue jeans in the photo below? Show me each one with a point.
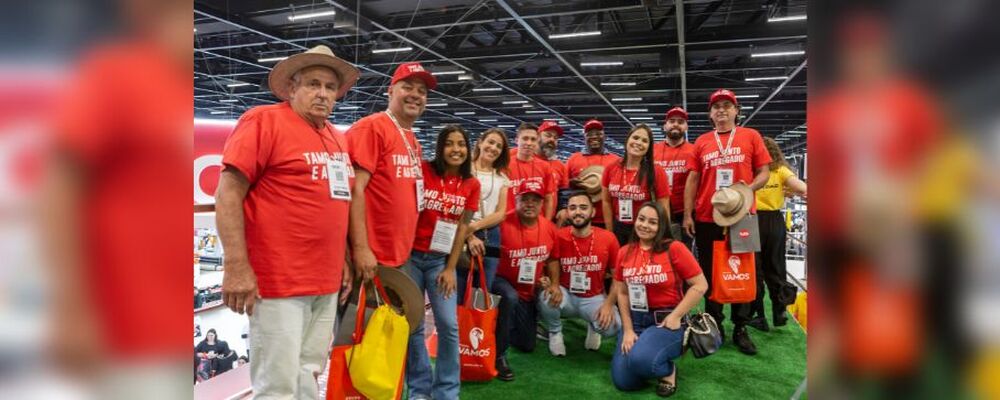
(424, 269)
(575, 306)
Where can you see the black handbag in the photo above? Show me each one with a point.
(702, 335)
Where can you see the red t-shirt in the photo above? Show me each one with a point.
(377, 146)
(594, 255)
(535, 169)
(579, 161)
(444, 198)
(296, 238)
(136, 156)
(624, 184)
(675, 162)
(635, 267)
(746, 155)
(519, 242)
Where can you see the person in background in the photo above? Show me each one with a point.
(594, 155)
(450, 198)
(673, 156)
(489, 164)
(633, 181)
(526, 167)
(650, 274)
(770, 259)
(549, 133)
(211, 350)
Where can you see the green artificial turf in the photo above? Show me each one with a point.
(774, 373)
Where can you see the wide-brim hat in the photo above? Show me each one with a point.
(589, 181)
(280, 78)
(404, 295)
(731, 204)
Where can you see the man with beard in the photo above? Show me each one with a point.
(674, 155)
(585, 254)
(549, 134)
(595, 155)
(388, 188)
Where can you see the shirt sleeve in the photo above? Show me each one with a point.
(694, 163)
(550, 181)
(760, 155)
(84, 126)
(784, 173)
(564, 173)
(364, 145)
(606, 177)
(472, 197)
(662, 187)
(248, 148)
(613, 249)
(619, 261)
(684, 262)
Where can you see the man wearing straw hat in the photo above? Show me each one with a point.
(283, 193)
(730, 163)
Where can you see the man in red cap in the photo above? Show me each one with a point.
(526, 167)
(722, 157)
(594, 155)
(388, 188)
(674, 155)
(549, 133)
(527, 243)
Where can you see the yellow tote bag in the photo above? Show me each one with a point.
(376, 362)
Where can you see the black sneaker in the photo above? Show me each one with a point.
(759, 323)
(780, 318)
(742, 339)
(541, 332)
(504, 373)
(722, 334)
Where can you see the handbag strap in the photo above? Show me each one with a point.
(380, 298)
(476, 261)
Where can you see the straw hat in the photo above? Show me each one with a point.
(589, 181)
(731, 204)
(280, 78)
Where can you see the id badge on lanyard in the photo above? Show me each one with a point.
(444, 236)
(337, 176)
(420, 194)
(526, 271)
(723, 178)
(578, 282)
(625, 210)
(637, 298)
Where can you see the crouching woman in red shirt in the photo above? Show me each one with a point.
(652, 303)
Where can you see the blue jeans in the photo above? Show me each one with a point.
(651, 356)
(424, 269)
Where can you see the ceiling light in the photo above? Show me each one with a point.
(746, 108)
(516, 102)
(391, 50)
(466, 113)
(311, 15)
(527, 106)
(271, 59)
(486, 89)
(436, 104)
(747, 96)
(635, 110)
(617, 83)
(487, 120)
(779, 54)
(641, 118)
(602, 64)
(536, 111)
(349, 107)
(767, 78)
(437, 127)
(787, 18)
(626, 99)
(238, 84)
(228, 101)
(456, 72)
(465, 77)
(575, 34)
(196, 29)
(218, 112)
(505, 126)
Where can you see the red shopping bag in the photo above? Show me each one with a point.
(477, 331)
(734, 277)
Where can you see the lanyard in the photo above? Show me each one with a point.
(644, 262)
(409, 149)
(626, 181)
(724, 151)
(579, 256)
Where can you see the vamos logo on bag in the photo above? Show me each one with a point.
(476, 336)
(734, 265)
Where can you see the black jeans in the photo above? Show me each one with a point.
(770, 260)
(705, 234)
(517, 319)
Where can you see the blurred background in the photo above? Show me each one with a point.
(96, 113)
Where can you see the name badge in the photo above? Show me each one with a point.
(444, 236)
(578, 282)
(526, 271)
(670, 179)
(337, 176)
(723, 178)
(637, 298)
(420, 195)
(625, 210)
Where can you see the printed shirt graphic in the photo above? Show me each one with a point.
(624, 184)
(534, 170)
(675, 162)
(296, 238)
(391, 194)
(657, 274)
(746, 155)
(518, 242)
(576, 255)
(580, 161)
(444, 198)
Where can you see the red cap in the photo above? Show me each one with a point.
(676, 112)
(593, 124)
(530, 187)
(551, 125)
(414, 70)
(722, 94)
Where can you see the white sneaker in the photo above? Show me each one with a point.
(593, 341)
(556, 345)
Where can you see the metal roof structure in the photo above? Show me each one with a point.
(503, 62)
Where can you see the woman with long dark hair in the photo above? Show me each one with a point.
(651, 272)
(632, 182)
(451, 196)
